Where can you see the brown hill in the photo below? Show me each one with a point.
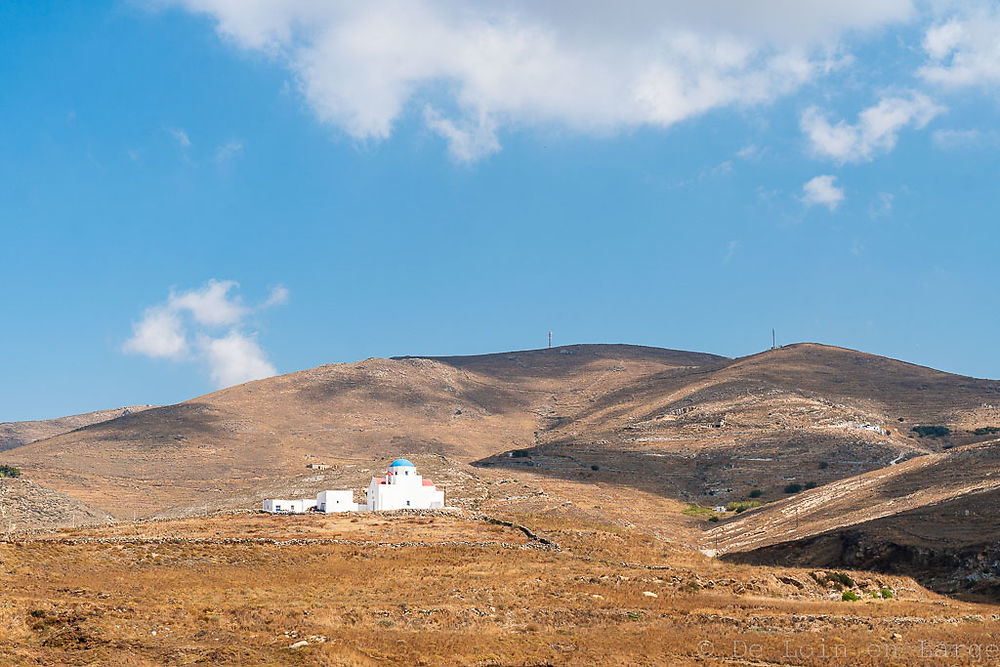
(933, 517)
(803, 413)
(15, 434)
(231, 442)
(618, 423)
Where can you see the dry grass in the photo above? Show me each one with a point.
(211, 598)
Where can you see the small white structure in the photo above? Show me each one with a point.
(336, 501)
(281, 506)
(399, 488)
(402, 488)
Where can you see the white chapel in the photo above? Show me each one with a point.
(402, 488)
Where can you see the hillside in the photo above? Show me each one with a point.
(601, 433)
(806, 413)
(15, 434)
(211, 448)
(933, 517)
(25, 505)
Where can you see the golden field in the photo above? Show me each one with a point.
(444, 588)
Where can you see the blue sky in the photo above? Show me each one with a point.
(198, 192)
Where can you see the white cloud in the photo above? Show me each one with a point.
(279, 296)
(965, 51)
(211, 304)
(228, 150)
(159, 334)
(823, 191)
(232, 355)
(465, 144)
(181, 136)
(235, 358)
(876, 130)
(588, 65)
(751, 152)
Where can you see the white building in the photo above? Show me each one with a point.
(280, 506)
(399, 488)
(402, 488)
(336, 501)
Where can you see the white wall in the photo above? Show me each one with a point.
(336, 501)
(287, 506)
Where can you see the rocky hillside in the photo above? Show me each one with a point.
(932, 517)
(26, 505)
(15, 434)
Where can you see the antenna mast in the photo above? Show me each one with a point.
(773, 340)
(550, 339)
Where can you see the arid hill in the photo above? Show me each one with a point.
(806, 414)
(890, 447)
(677, 423)
(933, 517)
(15, 434)
(231, 442)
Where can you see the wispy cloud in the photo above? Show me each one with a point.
(968, 139)
(228, 150)
(731, 249)
(180, 136)
(876, 130)
(822, 191)
(881, 206)
(206, 325)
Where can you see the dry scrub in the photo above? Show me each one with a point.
(354, 590)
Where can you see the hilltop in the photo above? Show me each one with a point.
(15, 434)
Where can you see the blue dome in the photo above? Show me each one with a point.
(401, 462)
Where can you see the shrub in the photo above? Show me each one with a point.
(755, 493)
(595, 468)
(811, 485)
(987, 430)
(849, 596)
(520, 453)
(823, 465)
(691, 586)
(886, 594)
(9, 471)
(742, 506)
(793, 488)
(713, 519)
(842, 578)
(931, 431)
